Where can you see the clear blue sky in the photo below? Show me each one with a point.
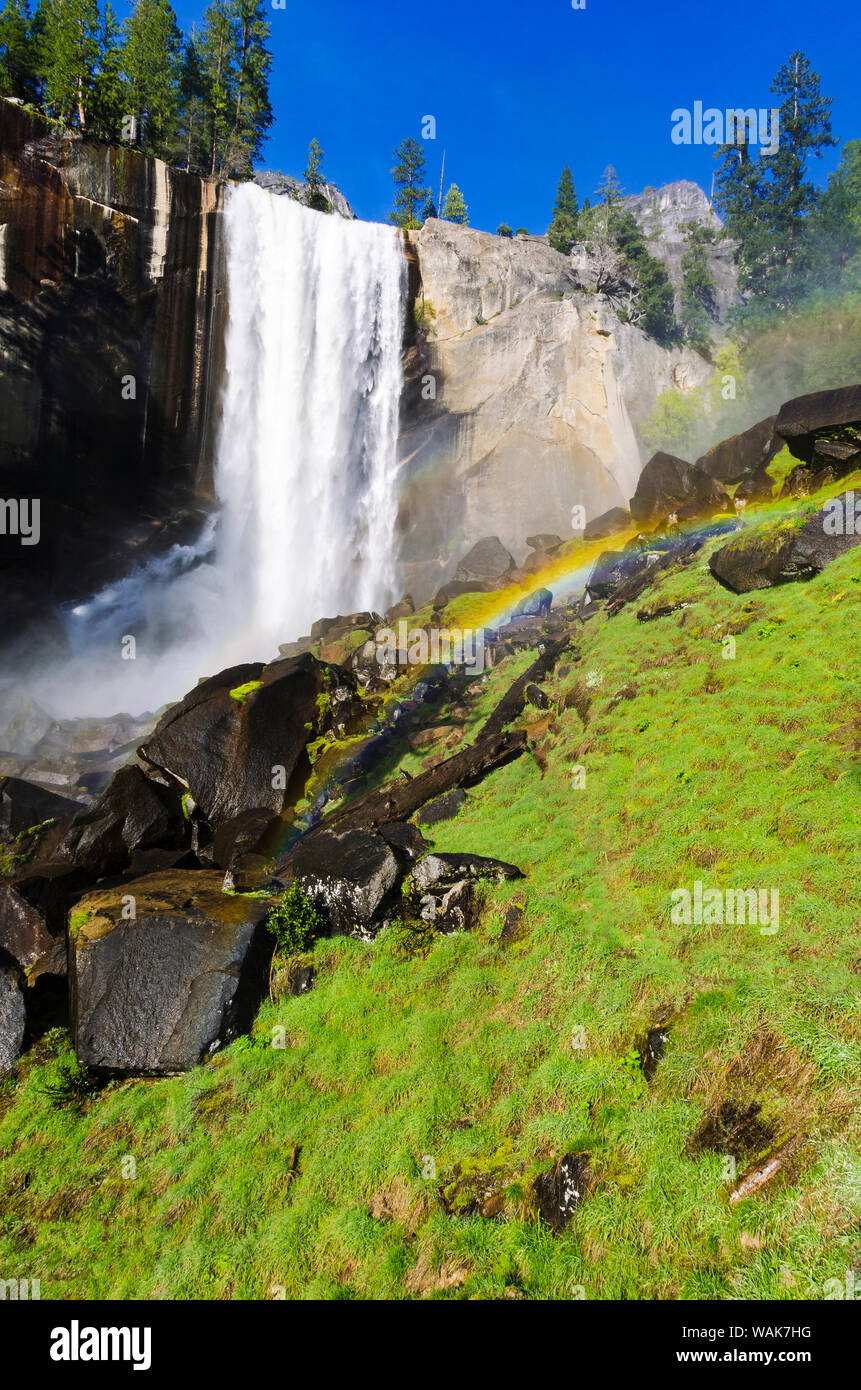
(519, 89)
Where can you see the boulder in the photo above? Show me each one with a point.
(352, 878)
(12, 1013)
(157, 992)
(536, 696)
(534, 563)
(404, 608)
(533, 605)
(782, 553)
(803, 421)
(406, 840)
(456, 587)
(24, 805)
(439, 869)
(668, 484)
(756, 487)
(134, 812)
(33, 909)
(543, 542)
(241, 835)
(607, 524)
(612, 569)
(443, 807)
(450, 909)
(560, 1191)
(742, 454)
(487, 560)
(237, 741)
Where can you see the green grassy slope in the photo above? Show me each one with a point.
(736, 772)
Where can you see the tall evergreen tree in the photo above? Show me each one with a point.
(70, 57)
(429, 209)
(19, 52)
(192, 122)
(152, 59)
(562, 232)
(109, 104)
(409, 177)
(252, 112)
(767, 204)
(314, 180)
(454, 209)
(609, 193)
(698, 287)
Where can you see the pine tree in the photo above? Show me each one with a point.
(454, 209)
(504, 230)
(610, 193)
(109, 103)
(767, 204)
(836, 224)
(70, 57)
(429, 209)
(409, 177)
(252, 111)
(314, 180)
(216, 54)
(192, 124)
(151, 59)
(562, 232)
(19, 52)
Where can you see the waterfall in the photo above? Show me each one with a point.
(305, 476)
(307, 455)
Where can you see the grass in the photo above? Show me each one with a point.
(401, 1065)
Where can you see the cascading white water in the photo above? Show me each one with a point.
(307, 457)
(305, 472)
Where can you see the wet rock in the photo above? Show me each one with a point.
(12, 1013)
(440, 869)
(543, 542)
(238, 739)
(444, 807)
(406, 840)
(300, 979)
(756, 487)
(352, 878)
(612, 569)
(536, 696)
(651, 1049)
(244, 834)
(607, 524)
(157, 992)
(670, 485)
(133, 813)
(805, 419)
(533, 605)
(456, 587)
(33, 909)
(732, 1128)
(513, 924)
(24, 805)
(560, 1190)
(404, 608)
(487, 560)
(743, 454)
(782, 554)
(450, 909)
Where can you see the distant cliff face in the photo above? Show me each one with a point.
(109, 299)
(663, 214)
(522, 399)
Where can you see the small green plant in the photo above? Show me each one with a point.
(294, 921)
(71, 1083)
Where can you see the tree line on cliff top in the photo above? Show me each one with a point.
(198, 100)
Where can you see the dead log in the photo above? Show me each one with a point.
(632, 588)
(512, 702)
(399, 800)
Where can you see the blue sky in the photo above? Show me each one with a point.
(519, 89)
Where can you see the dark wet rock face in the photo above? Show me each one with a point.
(352, 878)
(806, 420)
(670, 485)
(560, 1191)
(33, 910)
(743, 454)
(449, 909)
(158, 991)
(607, 524)
(24, 805)
(238, 739)
(12, 1013)
(779, 555)
(651, 1050)
(133, 813)
(533, 605)
(443, 808)
(438, 869)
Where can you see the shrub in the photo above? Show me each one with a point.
(294, 921)
(504, 230)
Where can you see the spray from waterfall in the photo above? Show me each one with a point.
(305, 472)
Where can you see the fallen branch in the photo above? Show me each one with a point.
(399, 800)
(514, 698)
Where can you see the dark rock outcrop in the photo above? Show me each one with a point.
(533, 605)
(158, 991)
(487, 560)
(443, 808)
(742, 454)
(670, 485)
(782, 553)
(109, 334)
(133, 813)
(24, 806)
(560, 1191)
(237, 741)
(607, 524)
(33, 909)
(805, 419)
(436, 869)
(352, 878)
